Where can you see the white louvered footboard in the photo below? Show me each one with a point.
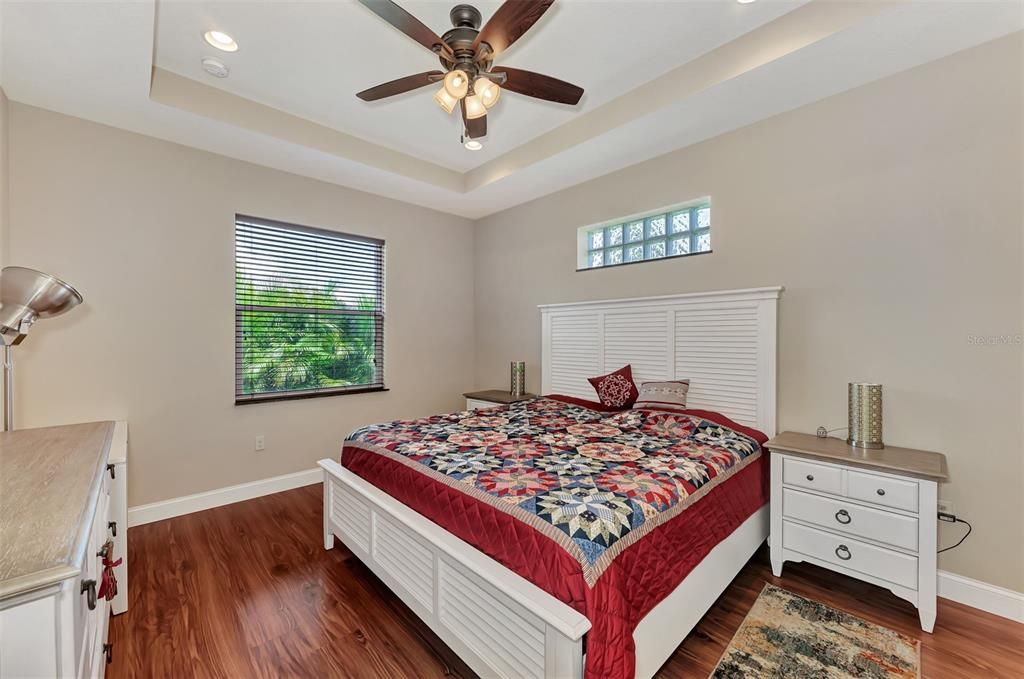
(499, 623)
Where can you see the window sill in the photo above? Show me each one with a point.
(294, 396)
(645, 261)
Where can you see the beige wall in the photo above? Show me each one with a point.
(891, 214)
(4, 190)
(145, 230)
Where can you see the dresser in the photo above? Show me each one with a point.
(492, 397)
(62, 512)
(868, 514)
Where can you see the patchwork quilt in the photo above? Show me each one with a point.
(569, 497)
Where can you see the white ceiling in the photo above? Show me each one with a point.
(696, 69)
(310, 59)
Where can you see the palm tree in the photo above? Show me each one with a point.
(295, 337)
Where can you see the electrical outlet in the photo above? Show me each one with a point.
(260, 443)
(946, 507)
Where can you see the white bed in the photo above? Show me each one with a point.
(503, 625)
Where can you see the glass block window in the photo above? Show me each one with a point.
(685, 230)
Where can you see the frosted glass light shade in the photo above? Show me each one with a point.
(475, 107)
(488, 91)
(456, 83)
(445, 100)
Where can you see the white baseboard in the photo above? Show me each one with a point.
(166, 509)
(989, 598)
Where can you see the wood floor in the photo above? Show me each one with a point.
(247, 590)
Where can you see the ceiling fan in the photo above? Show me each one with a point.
(467, 52)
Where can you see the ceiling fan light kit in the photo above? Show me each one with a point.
(467, 52)
(445, 100)
(456, 84)
(487, 90)
(475, 107)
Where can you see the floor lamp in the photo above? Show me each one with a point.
(26, 295)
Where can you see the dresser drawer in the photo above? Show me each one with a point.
(90, 627)
(810, 475)
(476, 404)
(849, 553)
(834, 514)
(882, 490)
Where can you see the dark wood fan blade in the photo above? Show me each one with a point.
(477, 127)
(509, 23)
(408, 24)
(539, 86)
(406, 84)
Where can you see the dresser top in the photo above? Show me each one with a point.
(50, 479)
(497, 396)
(919, 463)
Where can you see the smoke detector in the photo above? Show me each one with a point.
(215, 67)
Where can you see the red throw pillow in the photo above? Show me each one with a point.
(617, 389)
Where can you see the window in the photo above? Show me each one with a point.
(682, 230)
(309, 312)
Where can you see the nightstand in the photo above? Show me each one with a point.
(492, 397)
(868, 514)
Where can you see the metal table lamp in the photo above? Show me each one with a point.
(864, 402)
(517, 383)
(27, 295)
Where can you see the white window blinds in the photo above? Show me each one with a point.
(309, 312)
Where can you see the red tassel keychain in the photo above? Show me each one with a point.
(108, 581)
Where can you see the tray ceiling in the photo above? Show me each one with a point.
(658, 76)
(310, 59)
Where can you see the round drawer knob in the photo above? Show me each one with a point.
(843, 552)
(810, 477)
(843, 516)
(880, 491)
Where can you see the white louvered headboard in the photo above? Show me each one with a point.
(724, 342)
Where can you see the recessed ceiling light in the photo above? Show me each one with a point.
(215, 67)
(745, 2)
(473, 145)
(221, 41)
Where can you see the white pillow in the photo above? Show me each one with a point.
(670, 394)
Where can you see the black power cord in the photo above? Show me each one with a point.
(953, 518)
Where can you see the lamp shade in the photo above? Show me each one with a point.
(488, 91)
(475, 107)
(446, 101)
(27, 294)
(456, 83)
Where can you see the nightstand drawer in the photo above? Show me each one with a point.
(874, 524)
(849, 553)
(882, 490)
(821, 477)
(476, 404)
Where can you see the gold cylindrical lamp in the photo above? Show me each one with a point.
(865, 411)
(517, 383)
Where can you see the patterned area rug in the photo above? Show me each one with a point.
(786, 635)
